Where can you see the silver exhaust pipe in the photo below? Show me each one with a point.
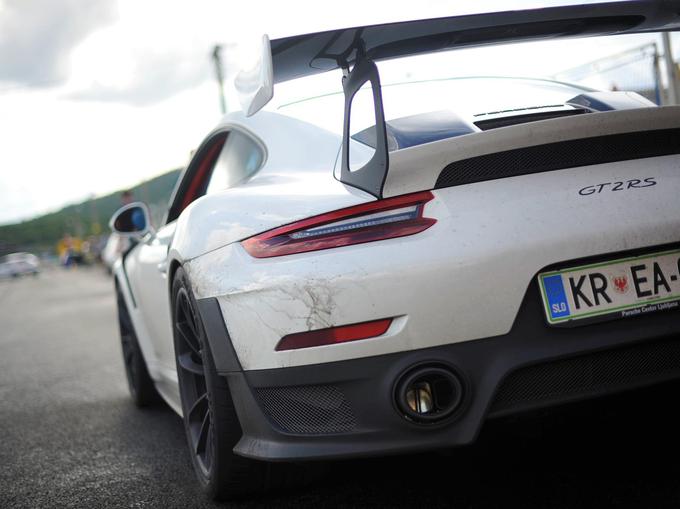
(429, 393)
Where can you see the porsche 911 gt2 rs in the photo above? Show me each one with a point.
(451, 251)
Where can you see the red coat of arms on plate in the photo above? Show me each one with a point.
(620, 283)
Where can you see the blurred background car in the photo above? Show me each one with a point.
(18, 264)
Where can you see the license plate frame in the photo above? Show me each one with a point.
(557, 289)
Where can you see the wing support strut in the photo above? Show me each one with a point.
(371, 176)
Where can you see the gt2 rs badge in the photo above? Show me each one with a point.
(618, 186)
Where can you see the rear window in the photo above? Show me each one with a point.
(241, 157)
(424, 111)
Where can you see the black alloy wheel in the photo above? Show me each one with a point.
(192, 383)
(210, 421)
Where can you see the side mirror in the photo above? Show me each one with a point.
(132, 220)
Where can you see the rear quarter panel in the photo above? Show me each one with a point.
(296, 181)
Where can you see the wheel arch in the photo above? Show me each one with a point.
(215, 328)
(172, 270)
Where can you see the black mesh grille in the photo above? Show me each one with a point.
(307, 409)
(592, 374)
(561, 155)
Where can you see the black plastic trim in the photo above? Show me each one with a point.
(561, 155)
(495, 123)
(545, 383)
(371, 176)
(221, 347)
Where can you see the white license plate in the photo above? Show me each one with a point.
(615, 289)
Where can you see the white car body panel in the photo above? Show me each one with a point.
(489, 241)
(216, 220)
(293, 183)
(145, 278)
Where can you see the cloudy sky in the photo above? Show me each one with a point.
(96, 95)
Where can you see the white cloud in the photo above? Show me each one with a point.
(36, 37)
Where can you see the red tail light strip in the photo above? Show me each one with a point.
(373, 221)
(334, 335)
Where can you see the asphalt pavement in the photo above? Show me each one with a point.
(70, 437)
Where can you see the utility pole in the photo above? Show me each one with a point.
(219, 74)
(671, 71)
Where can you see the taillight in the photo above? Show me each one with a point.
(378, 220)
(334, 335)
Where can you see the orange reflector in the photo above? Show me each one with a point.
(334, 335)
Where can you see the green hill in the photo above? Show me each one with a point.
(89, 217)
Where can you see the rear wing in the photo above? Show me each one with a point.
(354, 50)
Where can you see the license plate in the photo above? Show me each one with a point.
(615, 289)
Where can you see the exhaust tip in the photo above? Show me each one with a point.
(429, 394)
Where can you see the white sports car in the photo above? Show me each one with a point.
(455, 250)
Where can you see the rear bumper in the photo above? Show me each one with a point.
(346, 409)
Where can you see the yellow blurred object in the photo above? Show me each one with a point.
(74, 245)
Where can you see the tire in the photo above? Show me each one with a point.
(142, 389)
(210, 420)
